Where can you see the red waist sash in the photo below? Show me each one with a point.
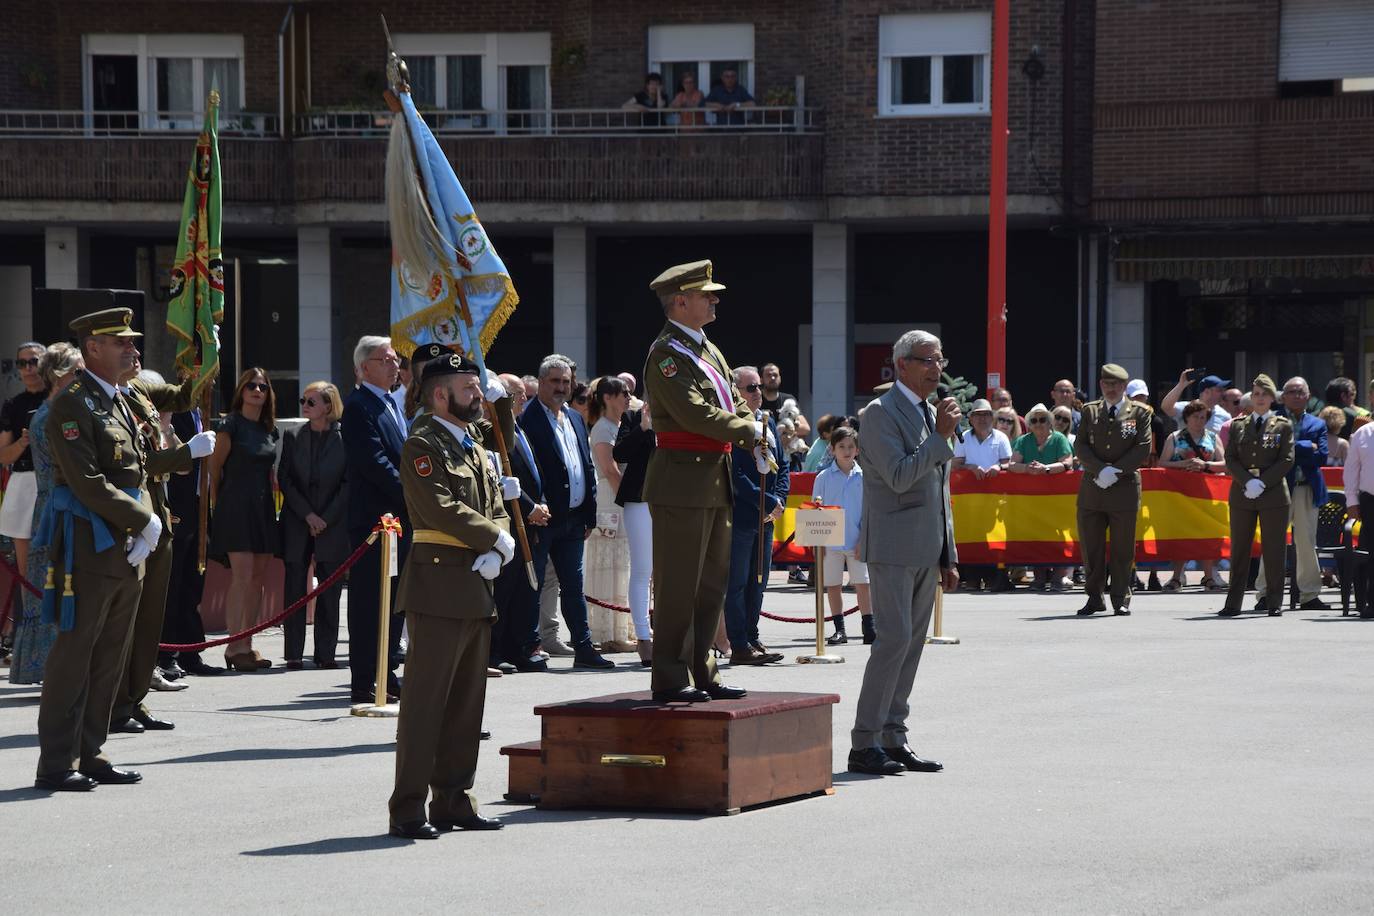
(690, 442)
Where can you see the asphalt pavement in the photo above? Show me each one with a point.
(1170, 761)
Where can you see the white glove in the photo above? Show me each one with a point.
(505, 546)
(1253, 488)
(494, 390)
(510, 488)
(488, 565)
(138, 552)
(758, 430)
(761, 461)
(152, 532)
(202, 444)
(1107, 476)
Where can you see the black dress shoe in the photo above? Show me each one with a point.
(873, 761)
(199, 668)
(535, 663)
(1089, 610)
(476, 822)
(870, 632)
(769, 656)
(587, 657)
(127, 727)
(1261, 604)
(414, 830)
(1314, 604)
(294, 664)
(152, 723)
(839, 638)
(1122, 612)
(484, 735)
(328, 663)
(505, 667)
(907, 758)
(111, 776)
(70, 781)
(173, 671)
(1229, 612)
(681, 695)
(725, 692)
(1276, 612)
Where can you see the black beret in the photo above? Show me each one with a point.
(425, 352)
(453, 364)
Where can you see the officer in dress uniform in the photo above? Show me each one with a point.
(1258, 457)
(698, 416)
(1113, 442)
(146, 399)
(459, 545)
(100, 526)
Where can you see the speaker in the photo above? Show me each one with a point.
(53, 309)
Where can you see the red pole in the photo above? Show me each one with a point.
(997, 201)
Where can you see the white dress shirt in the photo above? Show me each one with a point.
(698, 336)
(566, 436)
(1359, 463)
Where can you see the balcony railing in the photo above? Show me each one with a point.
(580, 122)
(37, 123)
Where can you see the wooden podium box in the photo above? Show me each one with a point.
(628, 751)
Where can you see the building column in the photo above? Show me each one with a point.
(316, 340)
(1126, 325)
(832, 320)
(66, 260)
(573, 314)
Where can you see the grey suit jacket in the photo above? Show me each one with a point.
(906, 486)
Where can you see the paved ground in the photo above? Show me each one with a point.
(1169, 761)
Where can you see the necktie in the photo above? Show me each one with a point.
(925, 415)
(1259, 425)
(1111, 412)
(124, 413)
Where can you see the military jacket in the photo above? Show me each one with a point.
(454, 502)
(146, 401)
(1266, 453)
(683, 399)
(98, 453)
(1122, 441)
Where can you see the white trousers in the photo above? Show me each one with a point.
(639, 527)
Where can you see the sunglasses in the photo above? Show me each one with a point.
(580, 400)
(753, 388)
(311, 402)
(1036, 421)
(26, 363)
(1063, 419)
(256, 386)
(1005, 422)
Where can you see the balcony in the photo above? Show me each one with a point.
(1269, 159)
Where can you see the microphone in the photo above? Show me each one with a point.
(942, 392)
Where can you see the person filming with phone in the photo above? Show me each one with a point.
(1210, 388)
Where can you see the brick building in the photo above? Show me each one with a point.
(850, 207)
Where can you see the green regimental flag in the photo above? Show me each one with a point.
(196, 305)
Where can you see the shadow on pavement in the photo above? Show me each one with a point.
(331, 701)
(275, 753)
(516, 814)
(1353, 617)
(1245, 615)
(1100, 615)
(13, 742)
(23, 793)
(841, 778)
(329, 847)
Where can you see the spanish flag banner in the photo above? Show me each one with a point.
(1033, 519)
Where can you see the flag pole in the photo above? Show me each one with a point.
(207, 394)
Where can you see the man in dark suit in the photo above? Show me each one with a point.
(373, 433)
(558, 438)
(515, 636)
(1307, 489)
(182, 624)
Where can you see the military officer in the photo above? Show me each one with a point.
(100, 527)
(699, 416)
(459, 545)
(1113, 442)
(146, 399)
(1258, 457)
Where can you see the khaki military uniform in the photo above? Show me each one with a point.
(145, 401)
(1267, 454)
(97, 453)
(454, 503)
(1121, 440)
(689, 489)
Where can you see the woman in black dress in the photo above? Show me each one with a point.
(314, 503)
(245, 518)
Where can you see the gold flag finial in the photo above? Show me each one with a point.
(214, 98)
(397, 73)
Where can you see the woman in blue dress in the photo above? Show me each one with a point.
(32, 637)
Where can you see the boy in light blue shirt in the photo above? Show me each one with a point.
(842, 484)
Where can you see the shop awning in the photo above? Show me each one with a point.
(1243, 258)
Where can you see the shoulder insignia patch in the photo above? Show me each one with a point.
(90, 405)
(423, 466)
(668, 367)
(70, 430)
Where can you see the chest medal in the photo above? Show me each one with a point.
(1128, 428)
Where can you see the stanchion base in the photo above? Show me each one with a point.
(389, 711)
(820, 659)
(942, 640)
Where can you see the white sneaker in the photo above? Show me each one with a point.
(161, 683)
(558, 648)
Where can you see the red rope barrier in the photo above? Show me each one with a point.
(624, 610)
(14, 571)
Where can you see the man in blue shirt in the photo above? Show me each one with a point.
(728, 97)
(1308, 490)
(842, 484)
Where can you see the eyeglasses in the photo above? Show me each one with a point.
(753, 388)
(26, 363)
(1005, 421)
(389, 360)
(1064, 420)
(311, 402)
(940, 362)
(1036, 421)
(256, 386)
(580, 399)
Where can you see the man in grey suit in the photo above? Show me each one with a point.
(906, 537)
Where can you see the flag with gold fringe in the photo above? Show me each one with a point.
(196, 304)
(442, 262)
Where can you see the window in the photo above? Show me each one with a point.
(465, 76)
(1325, 41)
(702, 52)
(934, 64)
(168, 78)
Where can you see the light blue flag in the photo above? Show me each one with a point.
(427, 306)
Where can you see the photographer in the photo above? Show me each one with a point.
(1209, 391)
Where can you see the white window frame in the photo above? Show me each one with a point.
(700, 45)
(150, 48)
(932, 45)
(498, 51)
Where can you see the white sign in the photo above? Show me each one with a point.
(819, 528)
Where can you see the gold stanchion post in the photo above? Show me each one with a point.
(818, 575)
(938, 637)
(381, 708)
